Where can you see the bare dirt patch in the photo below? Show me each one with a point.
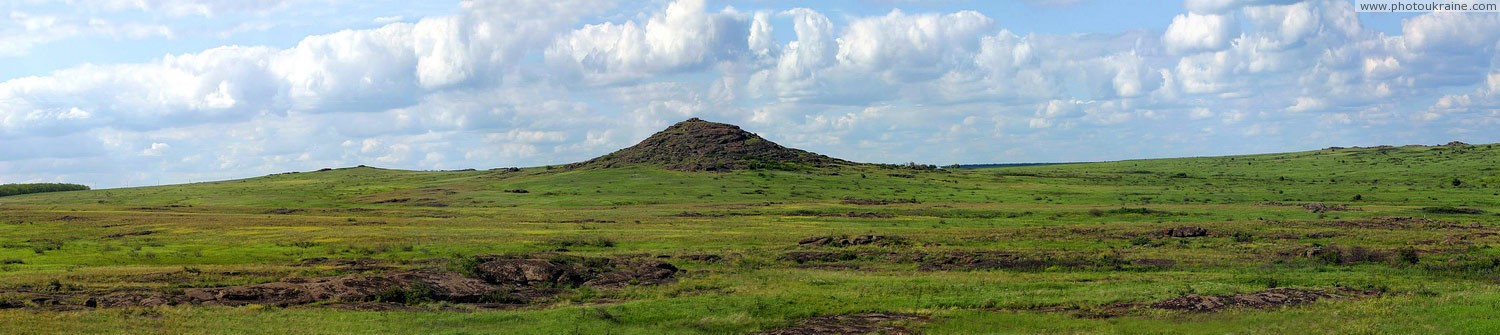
(853, 324)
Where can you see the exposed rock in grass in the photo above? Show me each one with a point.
(1154, 263)
(1271, 298)
(134, 233)
(706, 258)
(993, 260)
(497, 279)
(1184, 232)
(845, 241)
(1452, 210)
(1314, 207)
(284, 211)
(876, 202)
(571, 271)
(1393, 222)
(863, 215)
(351, 265)
(853, 324)
(818, 256)
(404, 286)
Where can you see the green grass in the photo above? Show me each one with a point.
(1096, 215)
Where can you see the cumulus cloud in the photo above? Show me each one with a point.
(1198, 32)
(911, 47)
(683, 37)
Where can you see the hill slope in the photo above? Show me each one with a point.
(1411, 176)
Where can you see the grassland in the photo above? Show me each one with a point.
(1072, 248)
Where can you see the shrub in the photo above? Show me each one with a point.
(466, 265)
(1408, 256)
(1140, 240)
(18, 189)
(415, 294)
(1242, 237)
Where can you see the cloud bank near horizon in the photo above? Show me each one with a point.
(525, 83)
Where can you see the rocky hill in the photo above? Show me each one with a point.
(698, 145)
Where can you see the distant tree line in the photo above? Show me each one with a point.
(17, 189)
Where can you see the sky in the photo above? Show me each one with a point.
(119, 93)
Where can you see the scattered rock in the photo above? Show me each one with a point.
(868, 202)
(984, 260)
(351, 265)
(529, 272)
(1392, 222)
(1185, 232)
(501, 279)
(586, 221)
(284, 211)
(1155, 263)
(818, 256)
(852, 324)
(845, 241)
(134, 233)
(572, 271)
(1320, 235)
(403, 285)
(634, 272)
(1271, 298)
(706, 258)
(1314, 207)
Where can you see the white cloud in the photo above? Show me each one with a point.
(1307, 104)
(1193, 32)
(156, 149)
(911, 47)
(24, 31)
(1450, 31)
(762, 40)
(1200, 113)
(683, 37)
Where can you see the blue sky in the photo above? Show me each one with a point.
(116, 93)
